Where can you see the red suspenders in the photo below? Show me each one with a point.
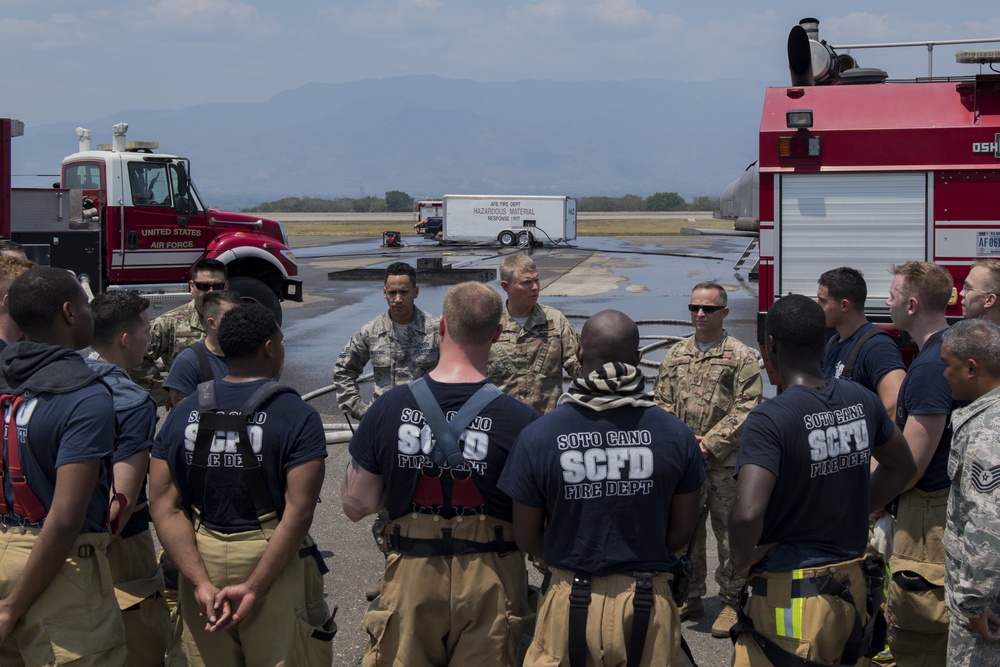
(26, 503)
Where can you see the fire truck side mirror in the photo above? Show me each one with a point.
(182, 199)
(183, 184)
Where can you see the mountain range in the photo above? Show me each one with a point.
(427, 136)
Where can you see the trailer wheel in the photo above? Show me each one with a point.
(255, 291)
(507, 238)
(525, 239)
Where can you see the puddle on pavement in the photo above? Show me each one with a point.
(637, 276)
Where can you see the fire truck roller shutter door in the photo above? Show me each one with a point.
(256, 291)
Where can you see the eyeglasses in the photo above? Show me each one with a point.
(205, 287)
(968, 288)
(694, 308)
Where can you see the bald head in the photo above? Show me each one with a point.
(609, 335)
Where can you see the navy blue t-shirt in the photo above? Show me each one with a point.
(817, 441)
(136, 427)
(926, 392)
(606, 480)
(284, 433)
(185, 371)
(878, 356)
(135, 415)
(57, 429)
(393, 441)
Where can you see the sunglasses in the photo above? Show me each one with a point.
(205, 287)
(694, 308)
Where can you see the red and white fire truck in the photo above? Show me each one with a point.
(857, 170)
(126, 217)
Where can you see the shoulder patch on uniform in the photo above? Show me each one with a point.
(985, 480)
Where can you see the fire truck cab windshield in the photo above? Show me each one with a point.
(162, 184)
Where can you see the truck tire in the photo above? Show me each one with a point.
(525, 239)
(507, 238)
(255, 291)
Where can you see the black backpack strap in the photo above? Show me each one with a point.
(209, 422)
(446, 452)
(263, 395)
(198, 468)
(848, 372)
(829, 344)
(642, 605)
(206, 396)
(579, 604)
(201, 351)
(876, 629)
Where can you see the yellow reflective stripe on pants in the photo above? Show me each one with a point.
(788, 620)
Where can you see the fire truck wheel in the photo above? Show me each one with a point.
(525, 239)
(506, 238)
(255, 291)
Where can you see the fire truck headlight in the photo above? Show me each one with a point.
(289, 255)
(799, 119)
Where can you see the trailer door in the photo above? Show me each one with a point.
(868, 221)
(570, 219)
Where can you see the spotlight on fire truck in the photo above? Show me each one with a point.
(799, 119)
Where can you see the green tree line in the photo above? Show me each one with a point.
(396, 201)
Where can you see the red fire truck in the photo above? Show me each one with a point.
(857, 170)
(126, 217)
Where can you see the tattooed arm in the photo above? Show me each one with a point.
(361, 492)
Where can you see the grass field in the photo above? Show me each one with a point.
(593, 224)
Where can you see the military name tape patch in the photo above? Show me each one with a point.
(985, 480)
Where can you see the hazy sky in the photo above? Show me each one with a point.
(72, 61)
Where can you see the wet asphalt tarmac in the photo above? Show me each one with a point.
(648, 278)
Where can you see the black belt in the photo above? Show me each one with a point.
(802, 588)
(446, 546)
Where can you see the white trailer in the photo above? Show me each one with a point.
(509, 219)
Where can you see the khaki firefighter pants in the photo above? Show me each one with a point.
(437, 611)
(915, 607)
(76, 619)
(288, 626)
(609, 624)
(139, 589)
(814, 627)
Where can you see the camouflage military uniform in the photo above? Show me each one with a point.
(972, 532)
(527, 363)
(394, 361)
(172, 333)
(712, 392)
